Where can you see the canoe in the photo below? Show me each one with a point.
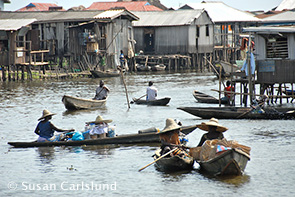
(159, 102)
(205, 98)
(75, 103)
(159, 67)
(121, 139)
(105, 74)
(174, 163)
(239, 112)
(231, 162)
(226, 68)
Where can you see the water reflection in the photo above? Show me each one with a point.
(236, 180)
(46, 156)
(83, 111)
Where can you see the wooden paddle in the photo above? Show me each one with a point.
(137, 99)
(157, 159)
(241, 115)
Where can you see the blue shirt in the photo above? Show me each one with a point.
(45, 129)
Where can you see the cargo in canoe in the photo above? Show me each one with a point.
(139, 138)
(159, 102)
(205, 98)
(239, 112)
(105, 74)
(75, 103)
(230, 162)
(175, 163)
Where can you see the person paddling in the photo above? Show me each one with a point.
(45, 129)
(151, 92)
(102, 91)
(169, 138)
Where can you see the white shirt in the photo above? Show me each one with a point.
(99, 129)
(151, 93)
(101, 93)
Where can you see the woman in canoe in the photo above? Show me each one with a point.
(45, 129)
(214, 130)
(100, 129)
(169, 138)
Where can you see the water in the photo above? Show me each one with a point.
(112, 170)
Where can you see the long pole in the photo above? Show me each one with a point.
(157, 159)
(249, 69)
(125, 88)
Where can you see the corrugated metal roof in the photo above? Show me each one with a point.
(51, 16)
(286, 4)
(37, 7)
(14, 24)
(131, 6)
(167, 18)
(220, 12)
(112, 14)
(283, 17)
(268, 30)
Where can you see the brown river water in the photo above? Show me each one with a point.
(113, 170)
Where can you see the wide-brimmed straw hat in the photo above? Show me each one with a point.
(171, 125)
(45, 114)
(99, 119)
(212, 122)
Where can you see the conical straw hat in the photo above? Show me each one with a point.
(45, 114)
(212, 122)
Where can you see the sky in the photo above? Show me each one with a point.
(245, 5)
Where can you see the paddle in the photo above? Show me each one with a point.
(157, 159)
(137, 99)
(241, 115)
(98, 93)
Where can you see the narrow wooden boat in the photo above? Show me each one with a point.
(230, 162)
(159, 67)
(105, 74)
(121, 139)
(238, 112)
(159, 102)
(205, 98)
(75, 103)
(174, 163)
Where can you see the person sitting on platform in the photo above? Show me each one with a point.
(214, 130)
(101, 128)
(228, 97)
(151, 92)
(45, 129)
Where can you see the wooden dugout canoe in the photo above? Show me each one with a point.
(174, 163)
(104, 74)
(75, 103)
(205, 98)
(238, 113)
(121, 139)
(158, 102)
(230, 162)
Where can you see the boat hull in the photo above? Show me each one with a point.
(101, 74)
(75, 103)
(174, 163)
(121, 139)
(204, 98)
(236, 113)
(231, 162)
(159, 102)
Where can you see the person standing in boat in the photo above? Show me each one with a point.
(102, 91)
(151, 92)
(215, 130)
(100, 129)
(45, 129)
(169, 138)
